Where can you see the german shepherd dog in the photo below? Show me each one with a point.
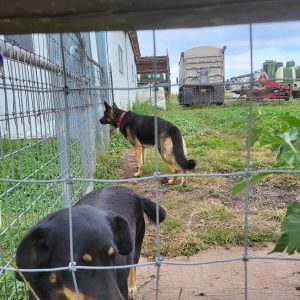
(108, 230)
(139, 131)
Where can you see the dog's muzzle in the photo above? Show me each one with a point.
(103, 121)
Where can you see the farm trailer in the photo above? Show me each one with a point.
(201, 76)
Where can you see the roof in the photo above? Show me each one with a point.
(202, 51)
(135, 43)
(145, 64)
(95, 15)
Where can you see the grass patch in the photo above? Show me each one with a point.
(109, 161)
(194, 224)
(215, 135)
(216, 138)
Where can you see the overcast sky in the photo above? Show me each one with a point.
(276, 41)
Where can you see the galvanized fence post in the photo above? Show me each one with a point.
(67, 193)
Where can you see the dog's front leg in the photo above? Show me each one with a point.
(132, 289)
(143, 155)
(138, 149)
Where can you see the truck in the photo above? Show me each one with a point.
(201, 76)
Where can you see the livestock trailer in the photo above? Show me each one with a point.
(201, 76)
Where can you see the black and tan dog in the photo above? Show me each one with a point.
(108, 230)
(139, 130)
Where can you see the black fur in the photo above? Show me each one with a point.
(111, 217)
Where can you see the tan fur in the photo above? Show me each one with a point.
(131, 280)
(110, 251)
(87, 258)
(71, 295)
(138, 150)
(52, 278)
(167, 154)
(109, 115)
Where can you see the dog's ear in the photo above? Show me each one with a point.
(33, 252)
(114, 106)
(107, 106)
(122, 234)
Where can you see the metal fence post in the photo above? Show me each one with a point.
(66, 164)
(64, 137)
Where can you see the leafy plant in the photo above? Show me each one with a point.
(282, 134)
(290, 237)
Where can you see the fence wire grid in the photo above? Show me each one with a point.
(49, 137)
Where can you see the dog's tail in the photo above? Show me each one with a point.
(179, 151)
(149, 208)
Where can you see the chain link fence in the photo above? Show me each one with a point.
(50, 103)
(48, 142)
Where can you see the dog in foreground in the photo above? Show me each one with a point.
(108, 230)
(139, 130)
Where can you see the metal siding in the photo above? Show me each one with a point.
(123, 98)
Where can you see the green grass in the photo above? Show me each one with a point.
(216, 138)
(24, 204)
(215, 135)
(109, 161)
(194, 224)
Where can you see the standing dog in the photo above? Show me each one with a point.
(108, 230)
(139, 130)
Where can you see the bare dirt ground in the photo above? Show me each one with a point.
(263, 195)
(267, 279)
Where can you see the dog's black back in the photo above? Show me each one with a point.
(143, 127)
(108, 229)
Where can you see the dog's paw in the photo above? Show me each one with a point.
(137, 174)
(132, 293)
(172, 181)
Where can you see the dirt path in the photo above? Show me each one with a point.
(267, 280)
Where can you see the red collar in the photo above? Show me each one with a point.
(120, 119)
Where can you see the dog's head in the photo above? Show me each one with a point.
(98, 240)
(109, 114)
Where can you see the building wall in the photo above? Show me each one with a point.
(100, 46)
(127, 77)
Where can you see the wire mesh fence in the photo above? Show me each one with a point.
(51, 102)
(46, 133)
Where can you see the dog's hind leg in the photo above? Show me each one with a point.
(166, 152)
(173, 169)
(132, 289)
(184, 179)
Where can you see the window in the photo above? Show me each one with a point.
(121, 69)
(21, 40)
(151, 75)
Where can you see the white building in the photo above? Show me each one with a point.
(34, 63)
(123, 50)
